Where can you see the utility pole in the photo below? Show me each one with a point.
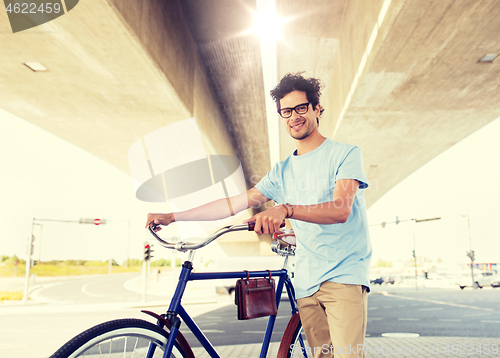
(28, 263)
(384, 223)
(415, 259)
(470, 254)
(145, 270)
(128, 243)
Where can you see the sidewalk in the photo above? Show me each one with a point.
(387, 346)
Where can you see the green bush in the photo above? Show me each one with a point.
(95, 263)
(132, 263)
(163, 262)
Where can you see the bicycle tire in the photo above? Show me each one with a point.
(293, 343)
(121, 338)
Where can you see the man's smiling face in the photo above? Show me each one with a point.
(299, 126)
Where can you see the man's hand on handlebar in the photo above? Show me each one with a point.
(160, 219)
(269, 221)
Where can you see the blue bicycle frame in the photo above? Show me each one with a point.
(175, 309)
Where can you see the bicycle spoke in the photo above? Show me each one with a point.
(135, 346)
(125, 348)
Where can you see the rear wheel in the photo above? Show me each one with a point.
(294, 342)
(121, 338)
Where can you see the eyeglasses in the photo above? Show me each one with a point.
(299, 109)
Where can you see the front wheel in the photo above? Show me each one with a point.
(294, 342)
(122, 338)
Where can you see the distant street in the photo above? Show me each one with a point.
(428, 312)
(89, 289)
(435, 312)
(61, 310)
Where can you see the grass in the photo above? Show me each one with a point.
(10, 296)
(64, 270)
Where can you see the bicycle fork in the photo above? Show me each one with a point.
(171, 319)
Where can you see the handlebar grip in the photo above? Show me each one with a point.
(251, 225)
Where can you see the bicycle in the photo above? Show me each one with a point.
(140, 338)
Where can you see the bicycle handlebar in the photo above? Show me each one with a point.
(185, 246)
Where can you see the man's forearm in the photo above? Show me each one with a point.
(215, 210)
(332, 212)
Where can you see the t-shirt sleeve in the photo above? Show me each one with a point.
(269, 185)
(352, 168)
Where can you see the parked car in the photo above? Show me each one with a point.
(496, 281)
(251, 263)
(377, 281)
(481, 279)
(389, 280)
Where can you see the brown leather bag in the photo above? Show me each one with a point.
(255, 297)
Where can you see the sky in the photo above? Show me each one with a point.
(460, 182)
(45, 177)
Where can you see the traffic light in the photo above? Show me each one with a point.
(413, 253)
(471, 255)
(397, 220)
(148, 249)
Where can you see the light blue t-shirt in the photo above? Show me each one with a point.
(338, 252)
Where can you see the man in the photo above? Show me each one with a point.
(318, 189)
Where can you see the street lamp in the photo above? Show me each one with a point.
(470, 253)
(414, 246)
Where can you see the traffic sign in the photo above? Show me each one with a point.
(92, 221)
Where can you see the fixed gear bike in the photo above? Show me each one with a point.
(139, 338)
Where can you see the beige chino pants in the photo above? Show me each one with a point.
(334, 320)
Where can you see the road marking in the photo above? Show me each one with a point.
(437, 302)
(400, 335)
(485, 321)
(387, 307)
(449, 320)
(431, 309)
(213, 331)
(84, 290)
(256, 332)
(408, 319)
(372, 308)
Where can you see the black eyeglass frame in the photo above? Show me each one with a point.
(294, 109)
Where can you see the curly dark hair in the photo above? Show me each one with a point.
(296, 82)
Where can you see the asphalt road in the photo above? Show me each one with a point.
(434, 312)
(428, 312)
(88, 289)
(71, 306)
